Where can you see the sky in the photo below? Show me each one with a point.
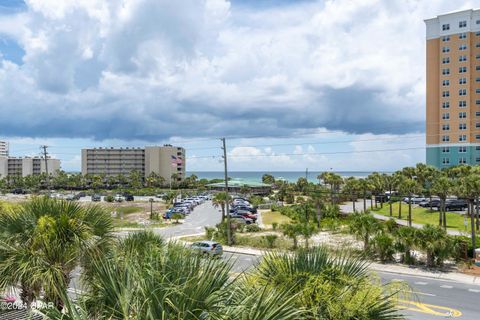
(325, 85)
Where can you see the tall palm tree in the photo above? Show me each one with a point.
(318, 197)
(377, 184)
(350, 188)
(442, 187)
(44, 240)
(364, 186)
(469, 188)
(409, 187)
(391, 184)
(220, 200)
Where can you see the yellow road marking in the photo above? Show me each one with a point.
(429, 309)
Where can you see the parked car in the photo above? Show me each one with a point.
(455, 204)
(128, 197)
(70, 197)
(211, 248)
(242, 207)
(18, 191)
(96, 198)
(240, 219)
(246, 214)
(435, 203)
(119, 198)
(414, 200)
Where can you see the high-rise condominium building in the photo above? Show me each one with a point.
(453, 89)
(3, 149)
(12, 166)
(167, 161)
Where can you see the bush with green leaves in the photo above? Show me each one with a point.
(270, 240)
(252, 228)
(329, 287)
(435, 242)
(109, 198)
(275, 226)
(384, 246)
(145, 277)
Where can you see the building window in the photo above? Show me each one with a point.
(446, 38)
(462, 24)
(477, 114)
(462, 69)
(462, 126)
(477, 101)
(446, 161)
(462, 92)
(462, 58)
(462, 81)
(477, 45)
(477, 136)
(445, 49)
(476, 33)
(478, 22)
(477, 79)
(477, 125)
(446, 71)
(445, 149)
(462, 138)
(446, 60)
(477, 148)
(462, 47)
(445, 27)
(446, 94)
(462, 149)
(446, 116)
(446, 83)
(463, 35)
(462, 115)
(462, 160)
(445, 105)
(477, 90)
(446, 138)
(477, 159)
(462, 104)
(445, 127)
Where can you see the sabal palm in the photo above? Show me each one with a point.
(220, 200)
(409, 187)
(147, 278)
(442, 187)
(364, 225)
(42, 241)
(327, 286)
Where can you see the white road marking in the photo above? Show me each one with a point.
(425, 294)
(446, 287)
(474, 290)
(421, 283)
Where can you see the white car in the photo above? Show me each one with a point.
(119, 198)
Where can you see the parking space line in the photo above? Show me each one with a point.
(474, 290)
(421, 283)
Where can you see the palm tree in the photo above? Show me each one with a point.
(170, 197)
(327, 286)
(364, 225)
(351, 187)
(220, 200)
(333, 180)
(144, 277)
(44, 240)
(404, 241)
(292, 231)
(409, 187)
(318, 198)
(364, 186)
(435, 242)
(442, 187)
(378, 186)
(307, 230)
(391, 184)
(469, 188)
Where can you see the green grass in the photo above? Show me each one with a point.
(118, 223)
(128, 210)
(270, 217)
(425, 216)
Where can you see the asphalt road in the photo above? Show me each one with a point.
(432, 299)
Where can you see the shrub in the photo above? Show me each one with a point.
(108, 198)
(252, 228)
(210, 232)
(270, 239)
(275, 226)
(384, 247)
(177, 216)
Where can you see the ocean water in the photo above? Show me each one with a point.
(291, 176)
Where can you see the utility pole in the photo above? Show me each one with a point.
(229, 233)
(306, 189)
(45, 154)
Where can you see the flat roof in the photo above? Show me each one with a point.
(240, 183)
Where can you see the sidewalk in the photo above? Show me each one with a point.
(348, 208)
